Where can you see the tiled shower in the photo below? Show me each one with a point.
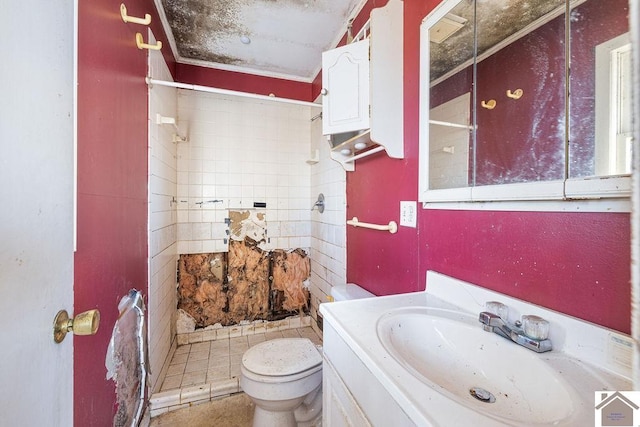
(240, 151)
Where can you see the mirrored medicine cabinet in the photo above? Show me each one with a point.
(526, 100)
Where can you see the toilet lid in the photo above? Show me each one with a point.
(282, 356)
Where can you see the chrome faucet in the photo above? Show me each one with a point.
(494, 323)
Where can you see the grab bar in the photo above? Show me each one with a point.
(392, 227)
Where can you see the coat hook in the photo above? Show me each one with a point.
(489, 105)
(126, 18)
(516, 94)
(142, 45)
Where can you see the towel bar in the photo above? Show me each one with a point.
(392, 227)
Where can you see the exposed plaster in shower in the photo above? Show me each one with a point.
(250, 223)
(257, 285)
(246, 283)
(291, 271)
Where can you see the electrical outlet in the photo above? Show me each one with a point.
(408, 214)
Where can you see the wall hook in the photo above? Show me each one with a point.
(142, 45)
(516, 94)
(489, 105)
(126, 18)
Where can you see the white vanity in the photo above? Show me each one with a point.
(420, 359)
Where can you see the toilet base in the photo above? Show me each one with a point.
(262, 418)
(305, 411)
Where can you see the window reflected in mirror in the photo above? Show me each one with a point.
(600, 113)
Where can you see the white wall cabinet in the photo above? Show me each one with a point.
(362, 100)
(345, 82)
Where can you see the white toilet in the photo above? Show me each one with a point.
(349, 291)
(283, 377)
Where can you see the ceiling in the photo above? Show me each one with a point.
(275, 38)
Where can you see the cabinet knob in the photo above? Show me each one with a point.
(324, 91)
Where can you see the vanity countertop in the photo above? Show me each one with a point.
(600, 358)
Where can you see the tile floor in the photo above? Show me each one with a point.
(207, 370)
(212, 361)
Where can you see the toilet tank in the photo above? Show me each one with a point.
(349, 291)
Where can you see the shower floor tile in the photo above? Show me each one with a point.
(218, 362)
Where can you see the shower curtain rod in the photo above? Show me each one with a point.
(199, 88)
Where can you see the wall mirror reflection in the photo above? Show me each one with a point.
(498, 109)
(600, 108)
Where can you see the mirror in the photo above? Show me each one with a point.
(600, 112)
(494, 98)
(521, 51)
(451, 76)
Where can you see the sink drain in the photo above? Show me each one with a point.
(482, 395)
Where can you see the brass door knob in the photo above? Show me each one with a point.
(86, 323)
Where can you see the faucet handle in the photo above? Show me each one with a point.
(497, 308)
(535, 327)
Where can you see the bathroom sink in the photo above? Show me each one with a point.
(451, 353)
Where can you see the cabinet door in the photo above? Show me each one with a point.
(339, 407)
(345, 82)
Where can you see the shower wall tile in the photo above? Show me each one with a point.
(242, 151)
(163, 217)
(327, 230)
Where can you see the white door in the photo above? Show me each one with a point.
(36, 217)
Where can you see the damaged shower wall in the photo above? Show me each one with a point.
(245, 283)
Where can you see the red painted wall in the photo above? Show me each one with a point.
(111, 255)
(576, 263)
(380, 262)
(228, 80)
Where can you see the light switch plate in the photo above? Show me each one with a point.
(408, 214)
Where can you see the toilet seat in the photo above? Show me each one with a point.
(282, 357)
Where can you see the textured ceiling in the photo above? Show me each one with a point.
(287, 37)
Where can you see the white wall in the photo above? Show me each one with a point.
(163, 256)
